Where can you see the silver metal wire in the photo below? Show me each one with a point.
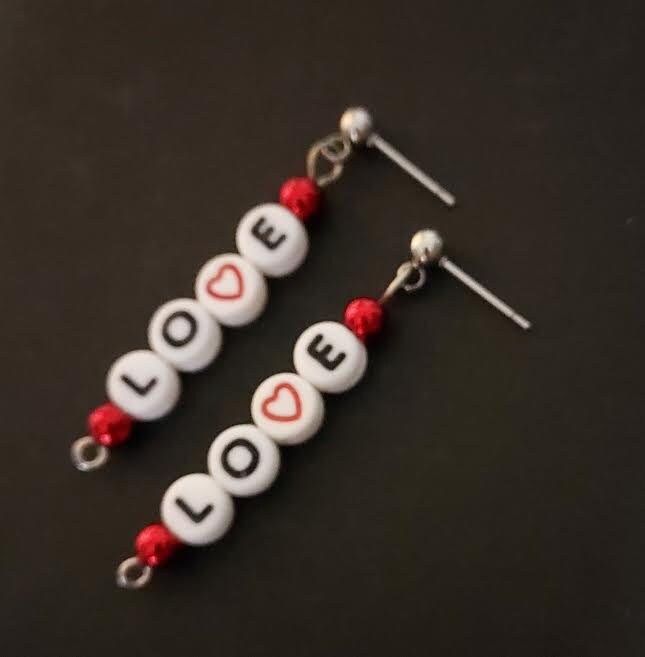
(484, 293)
(333, 151)
(87, 454)
(132, 574)
(376, 141)
(410, 276)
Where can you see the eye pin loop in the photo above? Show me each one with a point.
(410, 276)
(132, 574)
(334, 149)
(416, 280)
(87, 454)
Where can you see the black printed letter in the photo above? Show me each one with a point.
(322, 355)
(195, 516)
(253, 451)
(179, 342)
(139, 389)
(265, 235)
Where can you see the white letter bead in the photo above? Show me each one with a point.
(231, 289)
(330, 357)
(243, 461)
(142, 384)
(273, 239)
(196, 510)
(185, 334)
(287, 408)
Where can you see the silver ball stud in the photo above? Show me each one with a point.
(426, 246)
(356, 124)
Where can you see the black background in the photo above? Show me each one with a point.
(481, 492)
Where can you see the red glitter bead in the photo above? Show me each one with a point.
(155, 545)
(109, 425)
(364, 316)
(301, 196)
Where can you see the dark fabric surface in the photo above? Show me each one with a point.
(481, 492)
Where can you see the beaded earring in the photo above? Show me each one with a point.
(287, 409)
(185, 335)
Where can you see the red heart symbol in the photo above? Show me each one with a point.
(219, 285)
(275, 399)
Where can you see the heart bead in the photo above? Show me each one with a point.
(231, 289)
(287, 408)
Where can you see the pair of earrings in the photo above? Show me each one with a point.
(185, 335)
(287, 408)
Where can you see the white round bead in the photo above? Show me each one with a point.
(287, 408)
(231, 289)
(185, 334)
(142, 384)
(273, 239)
(330, 357)
(196, 510)
(243, 461)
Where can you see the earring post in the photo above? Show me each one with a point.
(376, 141)
(483, 292)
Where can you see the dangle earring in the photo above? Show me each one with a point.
(287, 409)
(185, 334)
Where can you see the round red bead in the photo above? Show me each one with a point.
(155, 545)
(109, 425)
(364, 316)
(301, 195)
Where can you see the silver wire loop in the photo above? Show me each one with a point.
(410, 276)
(334, 150)
(87, 454)
(132, 574)
(413, 284)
